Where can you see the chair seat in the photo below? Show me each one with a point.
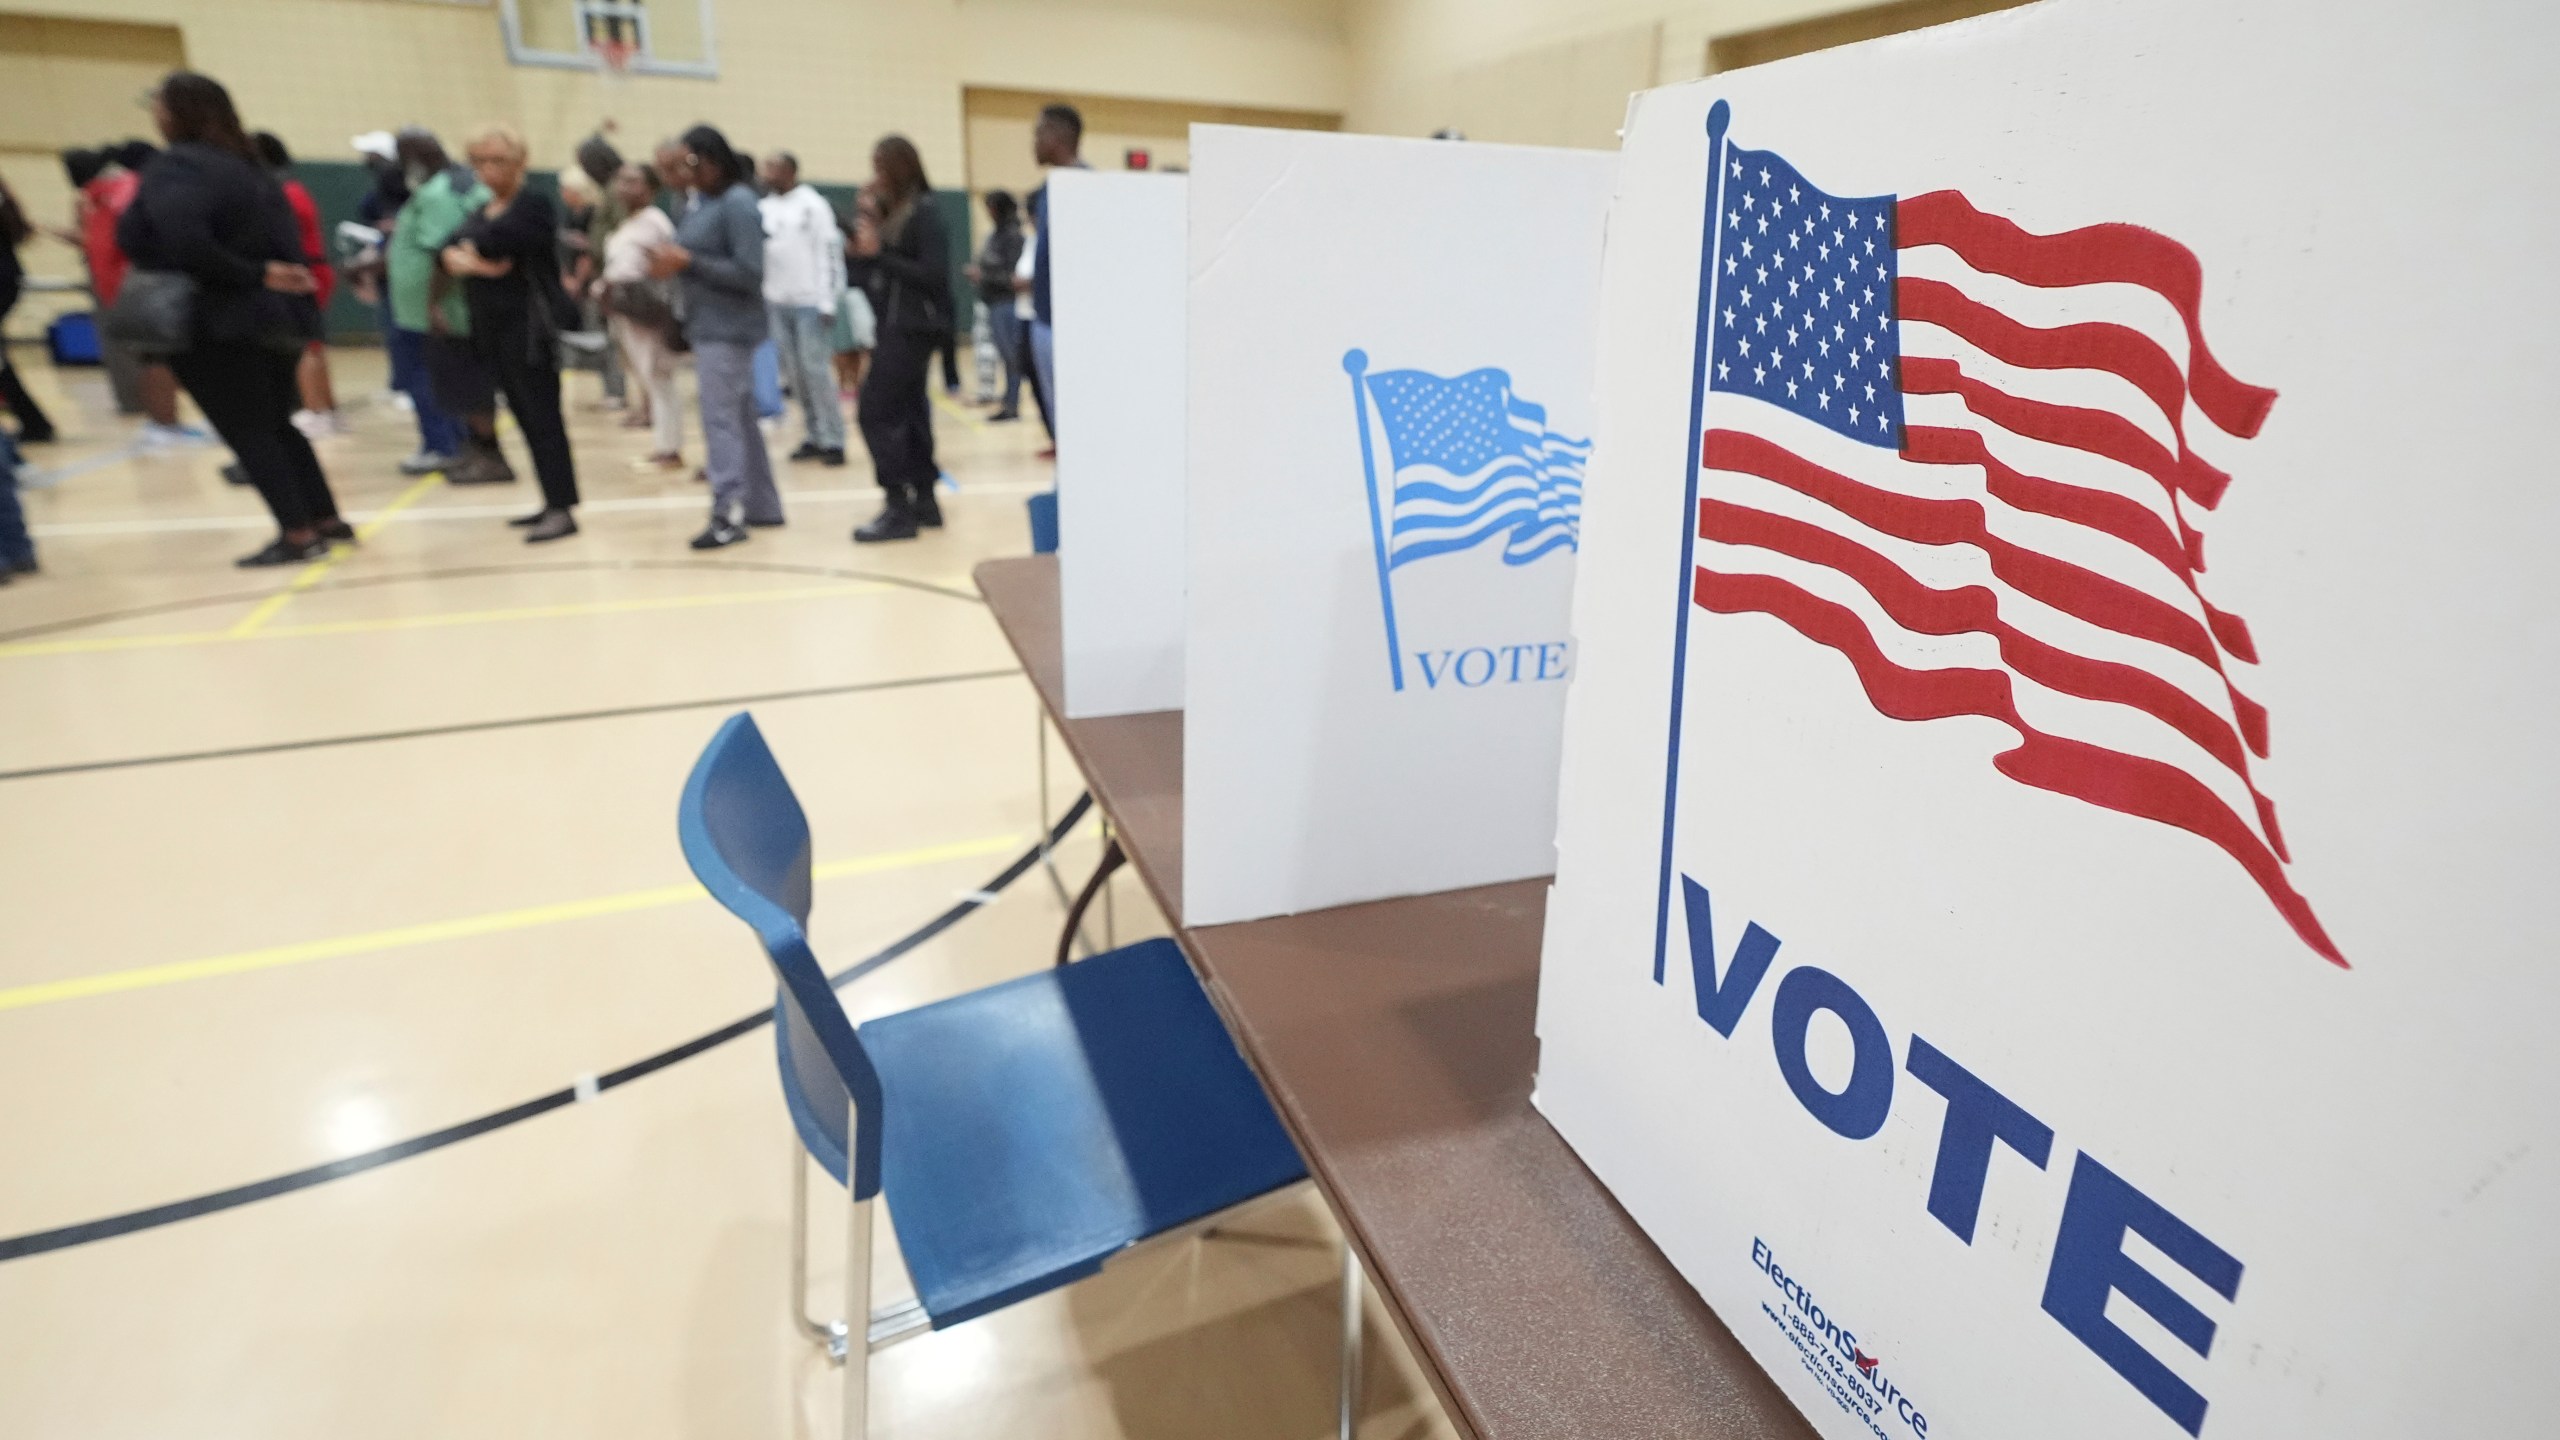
(1034, 1128)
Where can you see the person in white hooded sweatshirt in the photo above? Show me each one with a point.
(803, 275)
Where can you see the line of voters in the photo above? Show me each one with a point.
(212, 274)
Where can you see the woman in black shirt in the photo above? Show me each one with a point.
(15, 230)
(907, 262)
(207, 208)
(509, 257)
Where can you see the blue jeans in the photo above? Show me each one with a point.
(806, 338)
(17, 552)
(768, 381)
(439, 433)
(1005, 328)
(1044, 354)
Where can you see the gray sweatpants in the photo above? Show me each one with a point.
(741, 473)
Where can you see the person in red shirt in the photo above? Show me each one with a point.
(319, 415)
(104, 182)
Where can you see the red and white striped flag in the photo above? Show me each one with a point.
(1977, 473)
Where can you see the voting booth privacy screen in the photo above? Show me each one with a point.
(1118, 298)
(2058, 799)
(1390, 416)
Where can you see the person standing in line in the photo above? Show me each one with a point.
(1056, 139)
(209, 209)
(1022, 356)
(641, 311)
(718, 255)
(803, 273)
(907, 258)
(992, 273)
(17, 549)
(857, 329)
(34, 427)
(601, 163)
(318, 416)
(508, 254)
(364, 272)
(457, 408)
(105, 182)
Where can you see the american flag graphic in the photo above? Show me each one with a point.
(1468, 462)
(1472, 462)
(1969, 472)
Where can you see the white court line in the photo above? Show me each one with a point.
(172, 525)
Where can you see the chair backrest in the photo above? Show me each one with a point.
(748, 842)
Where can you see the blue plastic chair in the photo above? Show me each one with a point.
(1021, 1134)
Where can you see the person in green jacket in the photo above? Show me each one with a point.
(427, 306)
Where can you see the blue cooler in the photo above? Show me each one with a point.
(73, 339)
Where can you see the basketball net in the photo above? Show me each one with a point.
(613, 58)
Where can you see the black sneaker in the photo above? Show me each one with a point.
(894, 522)
(281, 551)
(23, 567)
(926, 509)
(527, 521)
(832, 456)
(480, 467)
(720, 533)
(553, 525)
(775, 523)
(1005, 414)
(236, 474)
(810, 450)
(335, 529)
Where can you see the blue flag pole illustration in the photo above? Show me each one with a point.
(1719, 116)
(1355, 363)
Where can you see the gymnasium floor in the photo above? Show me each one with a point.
(300, 865)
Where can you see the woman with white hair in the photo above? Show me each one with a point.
(509, 257)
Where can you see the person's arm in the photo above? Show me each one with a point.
(741, 271)
(170, 226)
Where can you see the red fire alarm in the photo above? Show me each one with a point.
(1139, 159)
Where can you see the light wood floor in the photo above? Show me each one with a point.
(330, 935)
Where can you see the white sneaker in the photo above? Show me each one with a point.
(168, 437)
(318, 424)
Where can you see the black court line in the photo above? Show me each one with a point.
(521, 722)
(90, 1232)
(367, 582)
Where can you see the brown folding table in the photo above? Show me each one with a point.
(1396, 1041)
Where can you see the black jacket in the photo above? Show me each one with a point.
(996, 262)
(910, 279)
(220, 219)
(524, 309)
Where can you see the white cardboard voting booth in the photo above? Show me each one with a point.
(2059, 797)
(1117, 293)
(1390, 395)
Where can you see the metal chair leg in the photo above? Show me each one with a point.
(857, 1305)
(829, 1336)
(1348, 1410)
(1112, 856)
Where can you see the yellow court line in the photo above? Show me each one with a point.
(553, 612)
(957, 410)
(463, 928)
(420, 622)
(256, 620)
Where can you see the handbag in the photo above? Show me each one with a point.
(154, 312)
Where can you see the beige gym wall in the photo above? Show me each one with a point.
(822, 77)
(1557, 72)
